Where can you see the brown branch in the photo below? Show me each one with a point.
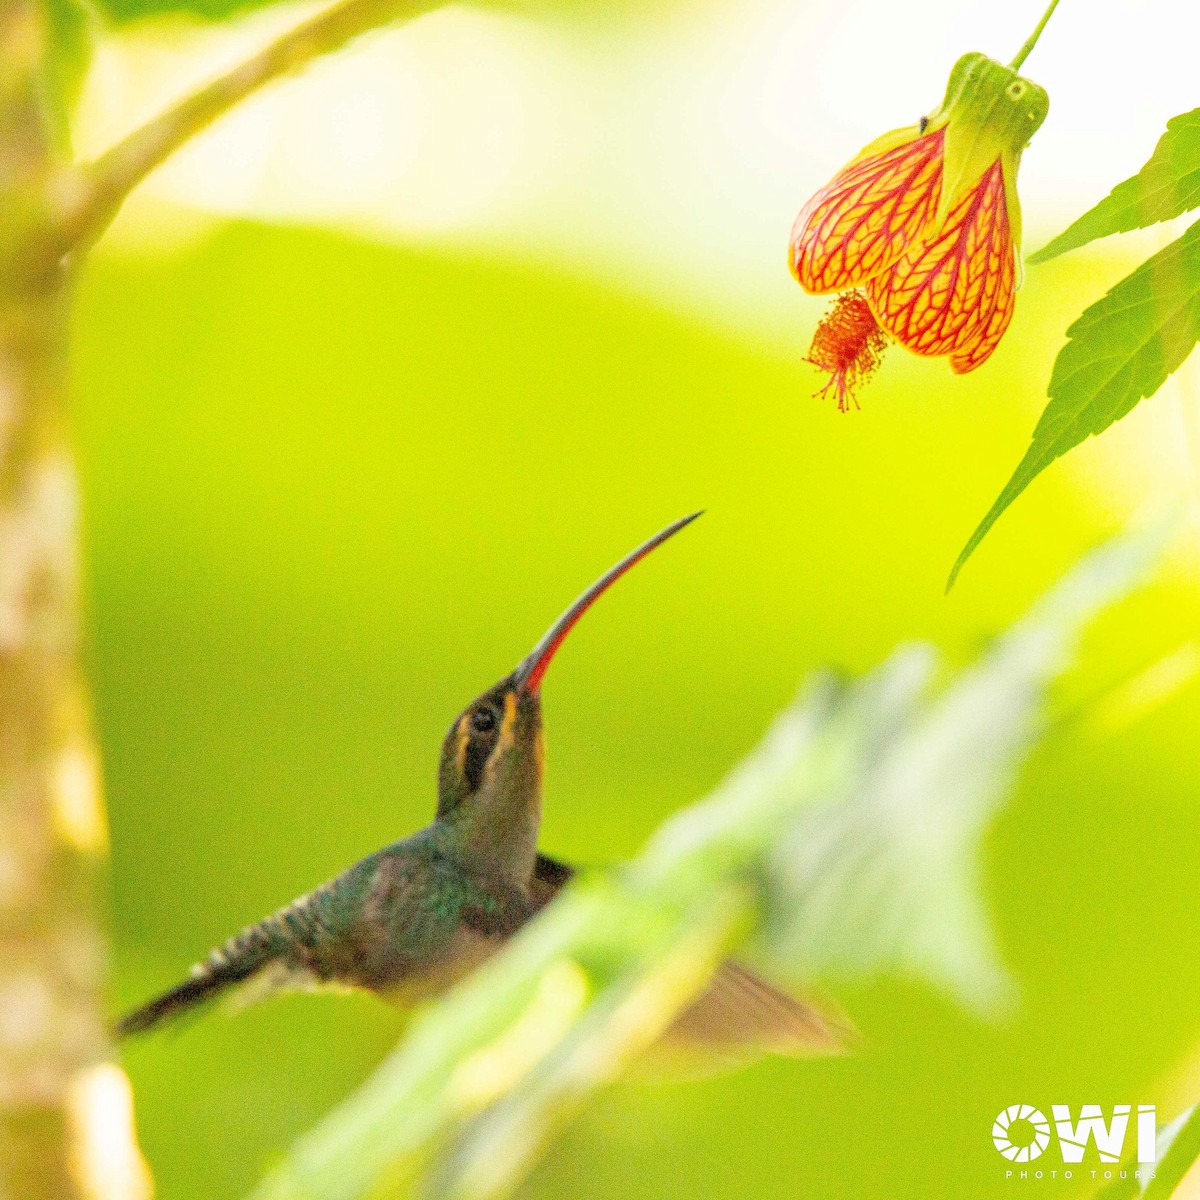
(110, 179)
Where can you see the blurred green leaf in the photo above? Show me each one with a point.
(847, 840)
(913, 829)
(1166, 187)
(1121, 350)
(1176, 1149)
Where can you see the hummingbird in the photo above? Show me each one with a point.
(413, 918)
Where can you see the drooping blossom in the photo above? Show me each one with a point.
(923, 229)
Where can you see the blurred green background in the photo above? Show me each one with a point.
(335, 485)
(333, 490)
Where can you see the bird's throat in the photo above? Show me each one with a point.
(496, 829)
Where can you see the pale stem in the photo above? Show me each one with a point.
(110, 179)
(1032, 40)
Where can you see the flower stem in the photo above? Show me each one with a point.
(1031, 41)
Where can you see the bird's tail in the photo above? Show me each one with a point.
(238, 960)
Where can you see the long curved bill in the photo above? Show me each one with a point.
(528, 676)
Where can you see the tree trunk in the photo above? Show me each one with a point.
(53, 1036)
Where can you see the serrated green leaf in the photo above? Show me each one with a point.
(1166, 187)
(1121, 350)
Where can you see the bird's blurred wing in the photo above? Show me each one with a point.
(739, 1013)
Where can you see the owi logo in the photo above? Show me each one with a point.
(1022, 1134)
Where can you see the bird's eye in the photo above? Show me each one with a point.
(483, 720)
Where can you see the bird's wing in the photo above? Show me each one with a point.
(549, 878)
(318, 939)
(739, 1012)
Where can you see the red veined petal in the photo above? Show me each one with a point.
(1004, 270)
(942, 294)
(861, 221)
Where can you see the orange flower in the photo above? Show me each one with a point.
(924, 224)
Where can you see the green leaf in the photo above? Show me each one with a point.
(1120, 351)
(1176, 1149)
(921, 915)
(1167, 186)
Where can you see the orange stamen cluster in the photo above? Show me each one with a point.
(848, 344)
